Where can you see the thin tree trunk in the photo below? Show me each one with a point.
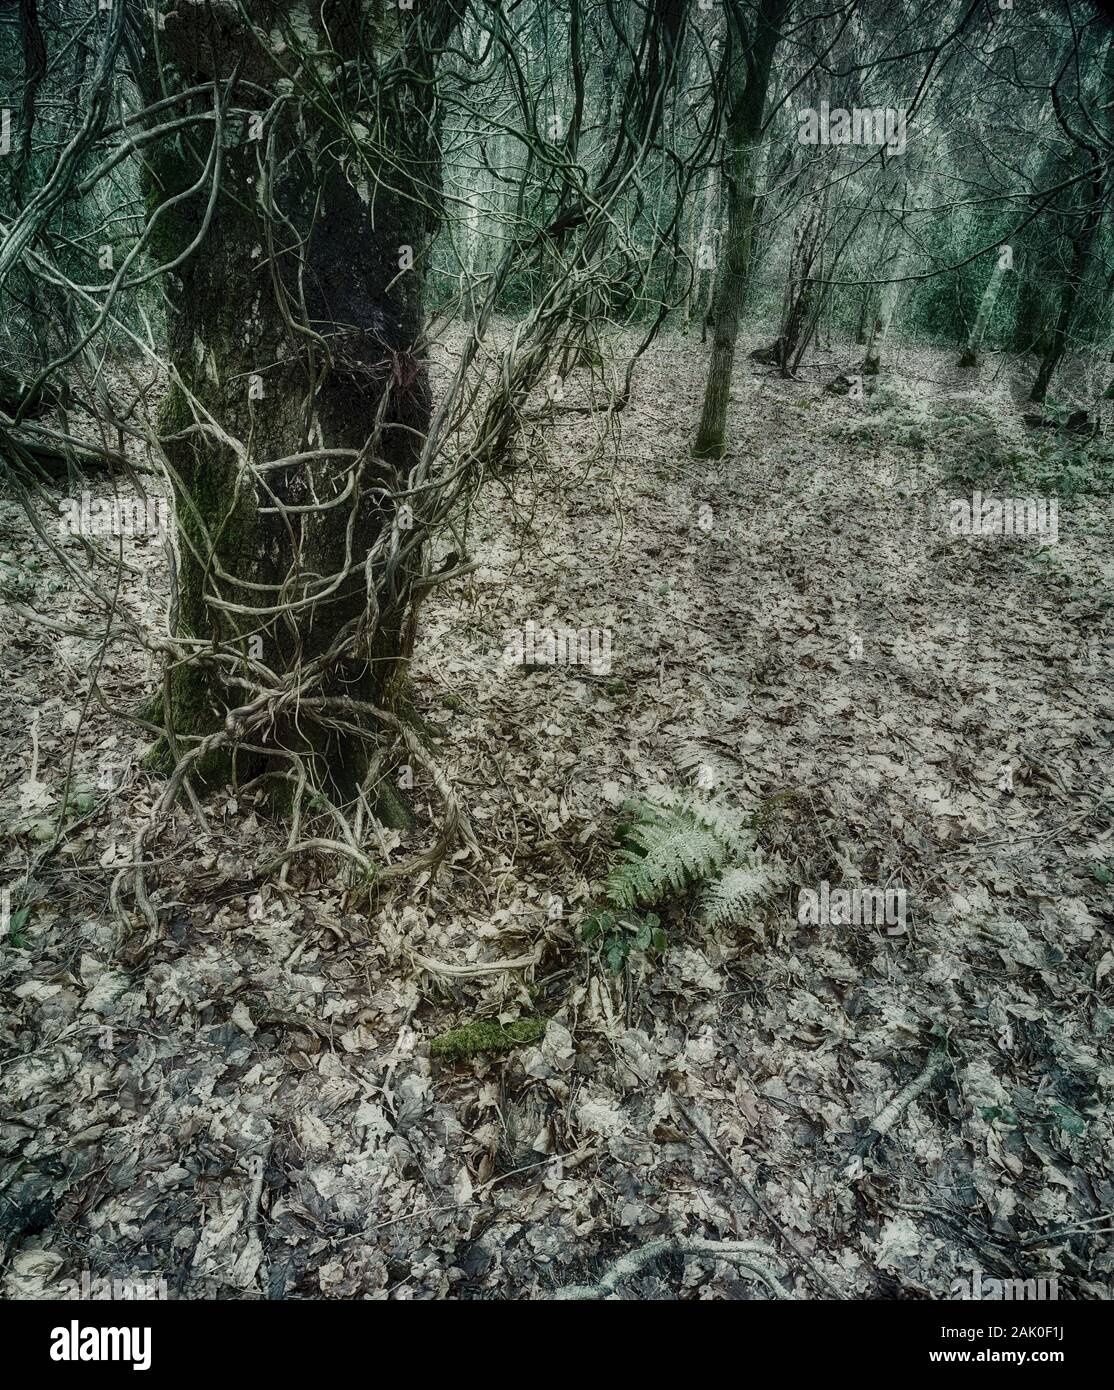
(749, 80)
(1077, 268)
(1089, 199)
(971, 349)
(891, 291)
(800, 304)
(866, 309)
(704, 246)
(1086, 202)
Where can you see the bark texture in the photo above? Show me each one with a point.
(748, 83)
(323, 178)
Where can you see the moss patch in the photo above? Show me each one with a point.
(485, 1035)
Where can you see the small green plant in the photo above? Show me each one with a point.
(963, 432)
(18, 582)
(617, 934)
(1056, 412)
(669, 845)
(41, 822)
(727, 900)
(16, 938)
(671, 842)
(1068, 1119)
(1069, 468)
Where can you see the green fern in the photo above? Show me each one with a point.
(671, 843)
(729, 900)
(674, 842)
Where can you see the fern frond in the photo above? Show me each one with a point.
(675, 841)
(731, 899)
(672, 857)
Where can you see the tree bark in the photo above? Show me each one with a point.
(890, 294)
(749, 79)
(1084, 220)
(973, 345)
(292, 332)
(1086, 201)
(1077, 268)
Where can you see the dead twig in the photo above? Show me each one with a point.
(885, 1120)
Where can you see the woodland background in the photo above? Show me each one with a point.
(339, 343)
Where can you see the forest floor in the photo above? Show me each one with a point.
(246, 1105)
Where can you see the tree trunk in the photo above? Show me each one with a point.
(292, 331)
(749, 79)
(1080, 250)
(971, 349)
(1043, 165)
(801, 304)
(890, 294)
(1087, 214)
(705, 249)
(866, 310)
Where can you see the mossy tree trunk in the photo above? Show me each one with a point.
(291, 330)
(1086, 168)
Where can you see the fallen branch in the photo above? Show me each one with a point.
(747, 1255)
(885, 1120)
(53, 451)
(466, 972)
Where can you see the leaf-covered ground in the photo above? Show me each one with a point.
(246, 1104)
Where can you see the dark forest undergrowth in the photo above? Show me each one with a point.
(245, 1104)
